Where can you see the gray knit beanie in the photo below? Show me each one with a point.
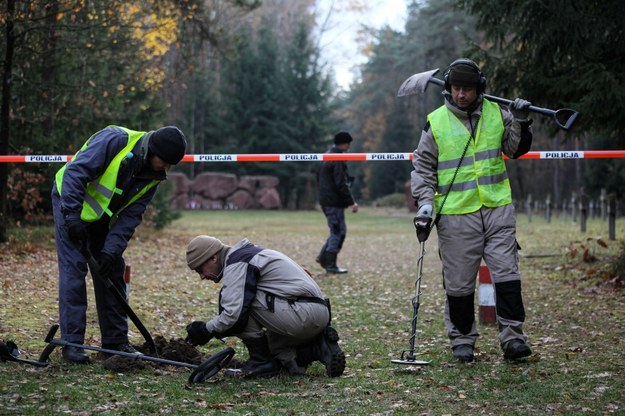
(201, 249)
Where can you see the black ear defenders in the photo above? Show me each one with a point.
(464, 61)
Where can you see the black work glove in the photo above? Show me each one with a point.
(423, 227)
(106, 264)
(197, 334)
(76, 229)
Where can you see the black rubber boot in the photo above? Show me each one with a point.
(332, 267)
(306, 354)
(464, 353)
(515, 349)
(260, 363)
(123, 347)
(326, 349)
(322, 258)
(75, 355)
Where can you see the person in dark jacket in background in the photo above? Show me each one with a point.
(98, 200)
(334, 183)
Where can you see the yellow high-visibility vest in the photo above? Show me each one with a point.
(482, 179)
(100, 191)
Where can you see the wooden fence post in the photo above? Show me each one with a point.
(583, 209)
(603, 202)
(548, 209)
(612, 216)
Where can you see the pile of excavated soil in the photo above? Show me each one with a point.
(175, 350)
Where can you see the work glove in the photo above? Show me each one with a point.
(106, 264)
(425, 211)
(76, 229)
(520, 109)
(197, 334)
(423, 222)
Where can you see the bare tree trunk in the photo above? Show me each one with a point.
(49, 66)
(5, 109)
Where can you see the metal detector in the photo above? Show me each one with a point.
(408, 356)
(10, 352)
(211, 366)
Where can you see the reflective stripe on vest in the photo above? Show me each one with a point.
(482, 179)
(101, 190)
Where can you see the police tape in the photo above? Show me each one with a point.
(321, 157)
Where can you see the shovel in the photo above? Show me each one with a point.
(95, 272)
(418, 83)
(204, 371)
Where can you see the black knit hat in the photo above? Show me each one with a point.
(169, 144)
(464, 75)
(342, 137)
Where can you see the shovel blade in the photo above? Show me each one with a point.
(418, 83)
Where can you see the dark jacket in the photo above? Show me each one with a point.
(333, 183)
(133, 176)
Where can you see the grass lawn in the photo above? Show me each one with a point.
(576, 326)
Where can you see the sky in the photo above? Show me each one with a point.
(339, 45)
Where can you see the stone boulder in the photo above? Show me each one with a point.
(215, 190)
(252, 183)
(268, 198)
(214, 185)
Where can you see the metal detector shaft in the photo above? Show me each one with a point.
(53, 343)
(417, 83)
(416, 300)
(95, 271)
(201, 372)
(408, 356)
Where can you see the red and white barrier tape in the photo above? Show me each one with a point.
(319, 157)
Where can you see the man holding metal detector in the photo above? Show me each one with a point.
(98, 200)
(268, 301)
(459, 170)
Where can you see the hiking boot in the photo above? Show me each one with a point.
(305, 354)
(255, 369)
(322, 258)
(293, 368)
(75, 355)
(260, 363)
(515, 349)
(123, 347)
(327, 351)
(464, 353)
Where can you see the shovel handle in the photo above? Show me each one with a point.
(564, 117)
(51, 333)
(95, 271)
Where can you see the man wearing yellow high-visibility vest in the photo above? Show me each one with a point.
(459, 170)
(98, 200)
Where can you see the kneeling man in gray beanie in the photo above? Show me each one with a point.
(268, 301)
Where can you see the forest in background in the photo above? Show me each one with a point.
(247, 76)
